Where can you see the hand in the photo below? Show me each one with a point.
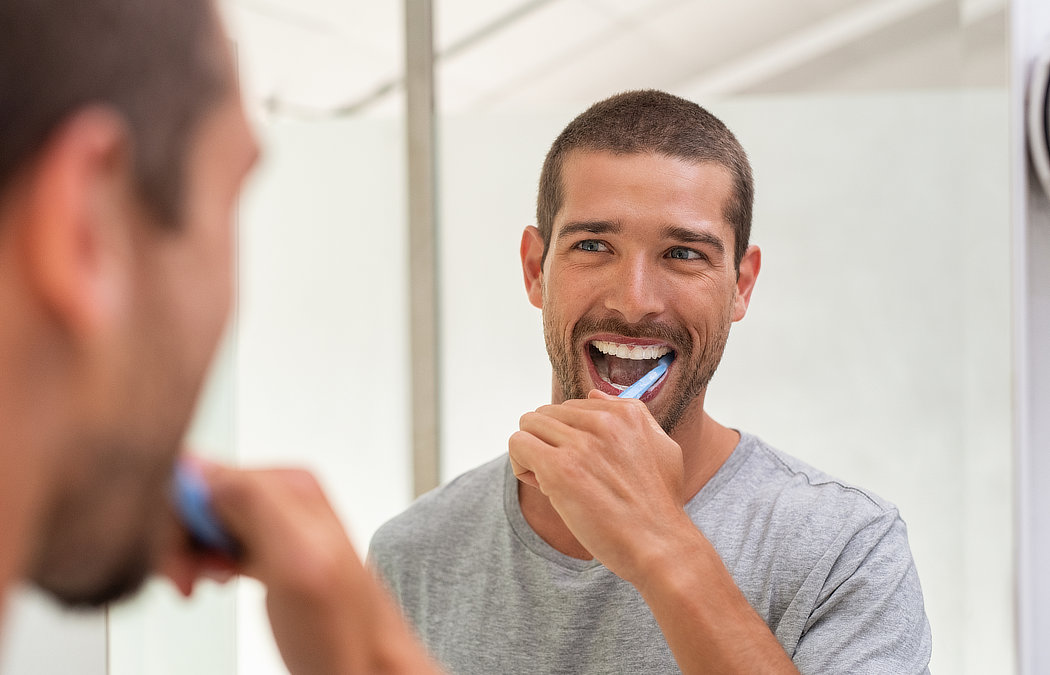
(327, 613)
(612, 474)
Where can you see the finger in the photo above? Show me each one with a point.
(184, 562)
(524, 475)
(524, 450)
(599, 400)
(552, 426)
(183, 568)
(279, 516)
(589, 415)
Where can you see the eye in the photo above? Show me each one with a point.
(591, 245)
(682, 253)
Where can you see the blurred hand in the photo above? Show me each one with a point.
(328, 614)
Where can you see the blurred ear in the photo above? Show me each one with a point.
(77, 246)
(745, 282)
(532, 264)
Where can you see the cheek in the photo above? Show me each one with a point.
(206, 292)
(215, 252)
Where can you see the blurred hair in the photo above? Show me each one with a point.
(159, 64)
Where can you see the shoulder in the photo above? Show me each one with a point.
(443, 513)
(777, 506)
(786, 481)
(831, 558)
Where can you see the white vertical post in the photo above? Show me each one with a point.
(1030, 34)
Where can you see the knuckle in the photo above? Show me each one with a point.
(235, 490)
(605, 418)
(300, 482)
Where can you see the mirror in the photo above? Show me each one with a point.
(877, 343)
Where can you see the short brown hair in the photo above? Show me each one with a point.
(657, 122)
(158, 63)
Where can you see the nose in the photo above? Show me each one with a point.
(634, 291)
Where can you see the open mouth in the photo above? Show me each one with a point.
(619, 365)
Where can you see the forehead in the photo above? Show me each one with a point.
(641, 188)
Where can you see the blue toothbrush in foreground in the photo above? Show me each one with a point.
(645, 382)
(193, 506)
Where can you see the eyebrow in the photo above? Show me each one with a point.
(590, 227)
(687, 236)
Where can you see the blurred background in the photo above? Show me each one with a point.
(877, 346)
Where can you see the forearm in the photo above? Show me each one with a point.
(328, 613)
(398, 650)
(356, 632)
(706, 620)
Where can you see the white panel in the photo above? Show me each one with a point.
(322, 351)
(494, 363)
(34, 625)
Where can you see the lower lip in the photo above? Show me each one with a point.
(602, 385)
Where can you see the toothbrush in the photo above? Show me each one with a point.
(193, 506)
(645, 382)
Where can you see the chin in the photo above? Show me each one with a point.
(102, 538)
(116, 582)
(119, 587)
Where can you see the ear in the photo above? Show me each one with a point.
(532, 264)
(747, 275)
(76, 244)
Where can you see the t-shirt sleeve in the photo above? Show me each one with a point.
(382, 559)
(870, 616)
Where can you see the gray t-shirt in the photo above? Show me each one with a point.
(825, 564)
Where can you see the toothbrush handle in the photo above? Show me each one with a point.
(645, 382)
(193, 506)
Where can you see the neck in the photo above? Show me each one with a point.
(705, 443)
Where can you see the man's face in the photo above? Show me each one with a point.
(640, 264)
(112, 520)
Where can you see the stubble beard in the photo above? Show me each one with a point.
(700, 364)
(88, 560)
(84, 561)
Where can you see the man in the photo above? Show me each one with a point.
(123, 144)
(640, 536)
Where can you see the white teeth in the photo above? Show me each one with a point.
(633, 352)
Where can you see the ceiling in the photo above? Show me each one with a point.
(323, 57)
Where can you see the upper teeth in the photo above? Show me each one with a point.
(634, 352)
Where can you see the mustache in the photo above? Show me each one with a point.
(676, 336)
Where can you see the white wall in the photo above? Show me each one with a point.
(33, 626)
(877, 344)
(321, 375)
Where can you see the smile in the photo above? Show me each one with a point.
(619, 365)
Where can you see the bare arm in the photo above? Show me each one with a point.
(707, 621)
